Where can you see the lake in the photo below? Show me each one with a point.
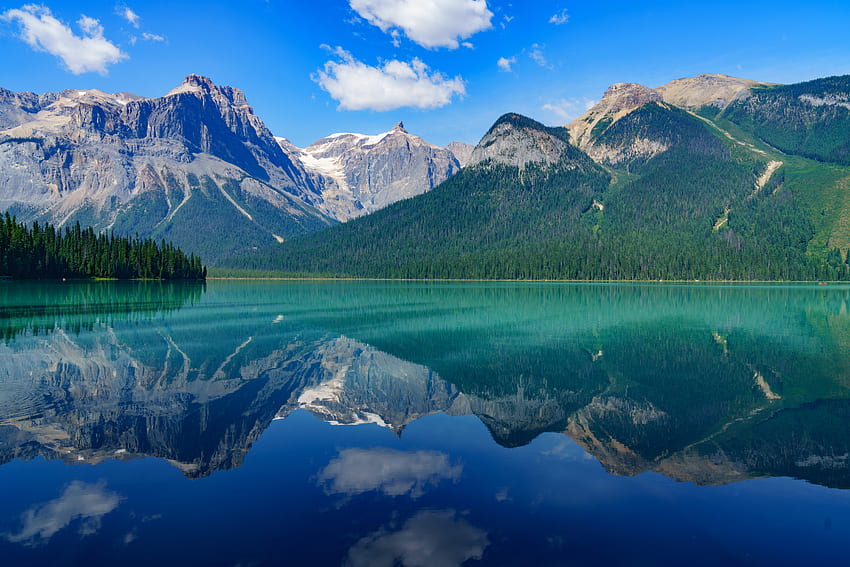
(424, 424)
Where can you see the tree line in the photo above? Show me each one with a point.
(498, 222)
(43, 251)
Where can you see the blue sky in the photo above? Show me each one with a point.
(447, 68)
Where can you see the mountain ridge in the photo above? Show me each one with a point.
(687, 194)
(364, 173)
(689, 93)
(699, 163)
(194, 166)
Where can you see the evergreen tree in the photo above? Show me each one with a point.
(42, 251)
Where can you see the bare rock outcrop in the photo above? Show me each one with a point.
(705, 90)
(463, 152)
(518, 141)
(359, 174)
(619, 100)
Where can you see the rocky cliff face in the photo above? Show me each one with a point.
(360, 174)
(706, 90)
(518, 141)
(621, 99)
(618, 100)
(461, 151)
(193, 166)
(196, 167)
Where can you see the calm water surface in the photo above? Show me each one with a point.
(424, 424)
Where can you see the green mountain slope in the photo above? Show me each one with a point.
(760, 124)
(809, 119)
(703, 202)
(693, 208)
(215, 217)
(488, 221)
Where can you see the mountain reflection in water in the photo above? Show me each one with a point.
(708, 384)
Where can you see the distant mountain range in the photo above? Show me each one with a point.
(196, 167)
(710, 177)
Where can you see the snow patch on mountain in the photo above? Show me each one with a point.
(362, 173)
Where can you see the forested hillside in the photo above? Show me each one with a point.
(809, 119)
(43, 251)
(693, 207)
(485, 222)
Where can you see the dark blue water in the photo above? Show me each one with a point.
(424, 424)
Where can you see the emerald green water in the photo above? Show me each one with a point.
(373, 423)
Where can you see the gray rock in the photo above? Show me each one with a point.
(516, 141)
(103, 159)
(167, 166)
(461, 151)
(360, 174)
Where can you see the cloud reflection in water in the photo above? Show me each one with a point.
(80, 500)
(395, 473)
(431, 538)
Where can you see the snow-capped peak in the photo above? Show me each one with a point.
(364, 173)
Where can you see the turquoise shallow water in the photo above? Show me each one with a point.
(371, 423)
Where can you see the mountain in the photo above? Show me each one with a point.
(676, 182)
(796, 135)
(810, 119)
(361, 174)
(525, 182)
(693, 93)
(709, 177)
(618, 100)
(518, 142)
(461, 151)
(713, 90)
(196, 167)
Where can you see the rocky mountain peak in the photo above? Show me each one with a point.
(193, 84)
(203, 86)
(705, 89)
(518, 141)
(689, 93)
(364, 173)
(627, 96)
(96, 153)
(199, 81)
(618, 100)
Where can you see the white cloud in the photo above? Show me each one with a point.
(90, 26)
(536, 55)
(567, 110)
(505, 64)
(87, 502)
(395, 84)
(430, 23)
(431, 538)
(43, 32)
(559, 18)
(129, 15)
(152, 37)
(395, 473)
